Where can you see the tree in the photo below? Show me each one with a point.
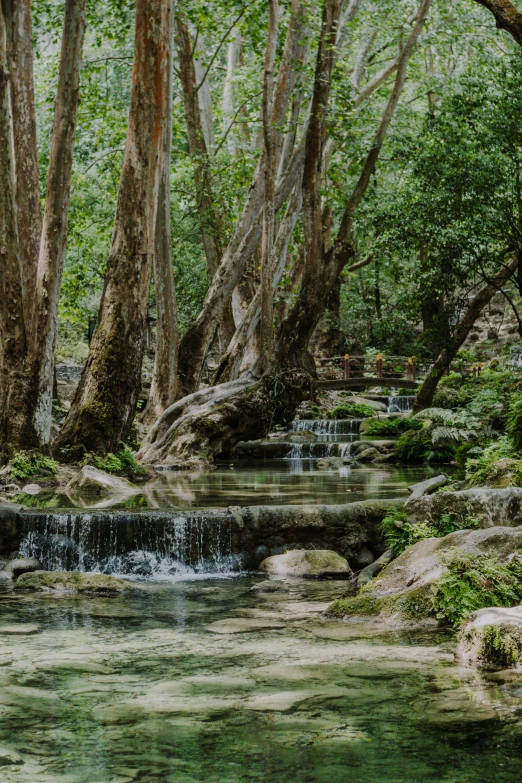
(103, 409)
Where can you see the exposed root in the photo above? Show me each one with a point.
(202, 425)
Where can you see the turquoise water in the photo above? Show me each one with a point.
(206, 681)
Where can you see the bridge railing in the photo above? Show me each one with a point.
(379, 366)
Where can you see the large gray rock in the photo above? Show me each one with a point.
(403, 589)
(377, 406)
(93, 481)
(368, 455)
(490, 507)
(298, 562)
(492, 639)
(18, 566)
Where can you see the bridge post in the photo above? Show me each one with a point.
(413, 368)
(479, 368)
(346, 366)
(378, 362)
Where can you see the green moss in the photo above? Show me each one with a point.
(392, 426)
(351, 411)
(501, 646)
(496, 463)
(122, 463)
(399, 533)
(28, 464)
(415, 605)
(474, 582)
(73, 581)
(417, 446)
(356, 606)
(514, 420)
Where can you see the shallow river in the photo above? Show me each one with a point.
(208, 682)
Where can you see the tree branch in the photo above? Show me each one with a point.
(506, 16)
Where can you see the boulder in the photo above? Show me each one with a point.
(488, 506)
(93, 481)
(18, 566)
(378, 406)
(426, 487)
(492, 639)
(315, 562)
(368, 455)
(71, 582)
(32, 489)
(303, 436)
(380, 445)
(403, 590)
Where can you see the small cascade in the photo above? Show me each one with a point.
(318, 450)
(157, 544)
(327, 426)
(401, 403)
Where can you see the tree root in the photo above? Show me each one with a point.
(208, 423)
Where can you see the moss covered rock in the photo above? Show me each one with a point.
(71, 582)
(299, 562)
(492, 639)
(93, 481)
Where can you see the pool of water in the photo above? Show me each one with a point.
(271, 482)
(206, 681)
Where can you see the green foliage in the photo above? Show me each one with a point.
(501, 646)
(351, 411)
(514, 420)
(392, 426)
(495, 463)
(475, 582)
(27, 464)
(399, 533)
(122, 463)
(417, 446)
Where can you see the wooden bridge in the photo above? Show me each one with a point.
(356, 372)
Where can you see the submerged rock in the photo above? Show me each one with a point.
(71, 582)
(368, 455)
(270, 586)
(96, 482)
(403, 591)
(316, 562)
(492, 638)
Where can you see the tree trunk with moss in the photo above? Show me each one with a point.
(424, 398)
(103, 409)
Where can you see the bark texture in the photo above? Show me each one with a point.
(427, 391)
(14, 422)
(163, 387)
(507, 16)
(103, 408)
(29, 212)
(54, 229)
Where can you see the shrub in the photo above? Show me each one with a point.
(392, 426)
(122, 462)
(26, 464)
(417, 446)
(351, 411)
(399, 534)
(514, 420)
(495, 462)
(475, 582)
(450, 398)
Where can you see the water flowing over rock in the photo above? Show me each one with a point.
(401, 403)
(173, 543)
(327, 426)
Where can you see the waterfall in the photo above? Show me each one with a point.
(327, 426)
(403, 402)
(159, 544)
(299, 451)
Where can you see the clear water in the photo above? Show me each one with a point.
(207, 682)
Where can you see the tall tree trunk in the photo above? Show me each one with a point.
(426, 392)
(210, 220)
(54, 230)
(28, 208)
(266, 326)
(104, 405)
(14, 423)
(247, 232)
(163, 387)
(233, 60)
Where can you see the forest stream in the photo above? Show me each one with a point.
(201, 674)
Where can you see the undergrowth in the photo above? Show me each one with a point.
(351, 411)
(122, 463)
(392, 426)
(28, 464)
(399, 533)
(474, 582)
(495, 463)
(417, 446)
